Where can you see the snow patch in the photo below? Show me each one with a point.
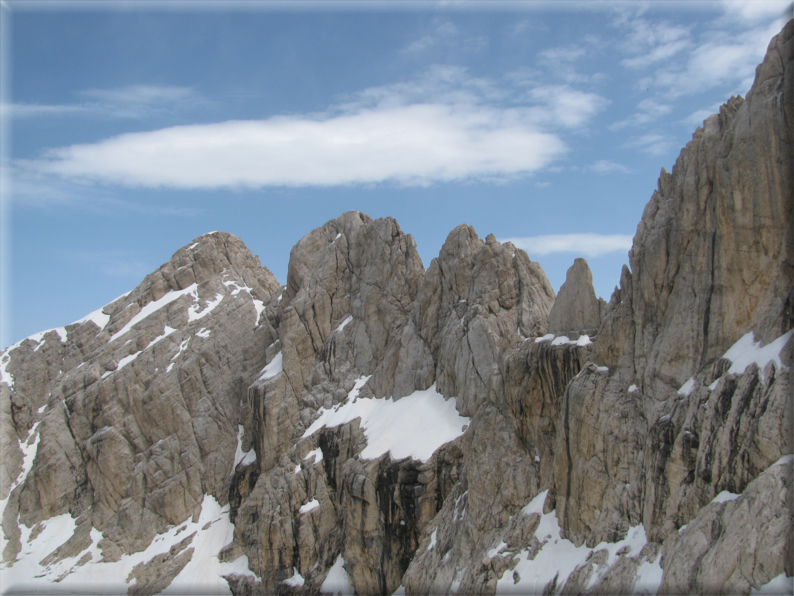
(344, 323)
(205, 333)
(338, 581)
(5, 376)
(317, 454)
(495, 550)
(633, 388)
(98, 317)
(310, 506)
(649, 577)
(747, 351)
(202, 574)
(687, 388)
(240, 456)
(193, 313)
(296, 581)
(432, 540)
(273, 368)
(559, 557)
(725, 496)
(547, 337)
(413, 426)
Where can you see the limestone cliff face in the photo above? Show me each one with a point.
(373, 425)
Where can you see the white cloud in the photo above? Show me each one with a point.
(757, 10)
(566, 106)
(413, 145)
(603, 166)
(589, 245)
(443, 126)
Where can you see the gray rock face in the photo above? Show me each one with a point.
(134, 412)
(478, 299)
(649, 457)
(576, 310)
(712, 257)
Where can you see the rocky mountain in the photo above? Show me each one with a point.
(375, 427)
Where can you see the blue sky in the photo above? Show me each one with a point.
(131, 128)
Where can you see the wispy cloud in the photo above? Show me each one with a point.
(560, 63)
(445, 35)
(23, 110)
(648, 110)
(682, 62)
(443, 126)
(589, 245)
(653, 144)
(603, 166)
(133, 101)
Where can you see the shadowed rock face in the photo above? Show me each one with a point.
(208, 379)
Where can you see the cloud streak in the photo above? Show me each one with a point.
(132, 101)
(589, 245)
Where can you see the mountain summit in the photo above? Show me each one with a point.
(375, 427)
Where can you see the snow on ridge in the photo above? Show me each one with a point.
(127, 359)
(153, 307)
(414, 426)
(5, 376)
